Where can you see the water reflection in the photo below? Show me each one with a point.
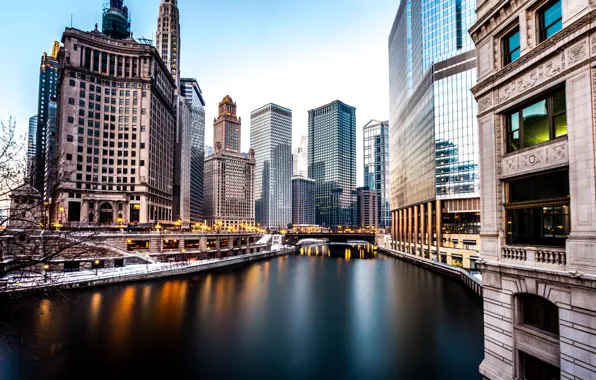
(347, 251)
(344, 312)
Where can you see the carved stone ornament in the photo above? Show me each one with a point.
(485, 103)
(543, 157)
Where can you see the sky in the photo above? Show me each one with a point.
(300, 54)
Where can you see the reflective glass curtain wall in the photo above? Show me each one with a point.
(332, 162)
(376, 167)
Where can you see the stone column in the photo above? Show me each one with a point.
(409, 231)
(415, 250)
(581, 245)
(429, 226)
(203, 243)
(438, 221)
(422, 230)
(400, 234)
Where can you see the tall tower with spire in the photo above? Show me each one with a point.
(226, 128)
(168, 36)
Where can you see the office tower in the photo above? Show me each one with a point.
(226, 128)
(367, 203)
(229, 176)
(434, 174)
(271, 139)
(48, 84)
(49, 156)
(116, 128)
(182, 164)
(31, 141)
(208, 150)
(168, 36)
(303, 201)
(376, 167)
(190, 90)
(536, 95)
(332, 162)
(300, 158)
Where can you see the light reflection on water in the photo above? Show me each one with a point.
(344, 312)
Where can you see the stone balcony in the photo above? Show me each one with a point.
(537, 257)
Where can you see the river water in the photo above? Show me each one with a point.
(327, 313)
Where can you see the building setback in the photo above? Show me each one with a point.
(271, 138)
(229, 176)
(332, 162)
(367, 203)
(434, 175)
(190, 90)
(376, 167)
(116, 127)
(536, 96)
(303, 201)
(48, 87)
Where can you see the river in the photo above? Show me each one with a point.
(328, 313)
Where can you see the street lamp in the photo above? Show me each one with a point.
(96, 262)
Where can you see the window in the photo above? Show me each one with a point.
(537, 123)
(69, 138)
(539, 313)
(550, 19)
(533, 368)
(72, 82)
(511, 46)
(538, 210)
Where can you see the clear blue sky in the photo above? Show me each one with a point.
(299, 54)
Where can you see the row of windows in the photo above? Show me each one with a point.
(550, 21)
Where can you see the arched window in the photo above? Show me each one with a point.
(106, 214)
(538, 312)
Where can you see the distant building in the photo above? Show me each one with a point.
(208, 150)
(26, 208)
(229, 176)
(332, 162)
(300, 158)
(50, 159)
(303, 201)
(116, 128)
(168, 36)
(376, 167)
(31, 143)
(190, 90)
(367, 212)
(271, 139)
(182, 163)
(48, 87)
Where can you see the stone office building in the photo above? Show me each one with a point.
(536, 96)
(115, 128)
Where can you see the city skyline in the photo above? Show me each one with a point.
(278, 43)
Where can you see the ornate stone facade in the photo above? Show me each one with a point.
(539, 271)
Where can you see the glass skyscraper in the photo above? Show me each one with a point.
(434, 135)
(332, 162)
(376, 167)
(191, 91)
(48, 84)
(271, 139)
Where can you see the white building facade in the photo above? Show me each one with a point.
(271, 139)
(536, 94)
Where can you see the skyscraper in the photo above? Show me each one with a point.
(116, 128)
(31, 142)
(536, 95)
(271, 138)
(300, 158)
(168, 36)
(182, 163)
(332, 162)
(376, 167)
(50, 159)
(226, 128)
(229, 176)
(434, 172)
(190, 90)
(303, 201)
(48, 85)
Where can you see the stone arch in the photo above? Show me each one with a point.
(106, 213)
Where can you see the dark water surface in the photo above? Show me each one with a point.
(295, 317)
